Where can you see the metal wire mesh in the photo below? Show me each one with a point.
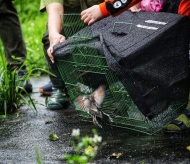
(72, 23)
(86, 69)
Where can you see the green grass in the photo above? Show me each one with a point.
(33, 24)
(12, 92)
(32, 32)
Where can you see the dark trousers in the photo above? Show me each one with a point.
(57, 81)
(11, 34)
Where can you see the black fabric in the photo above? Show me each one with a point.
(187, 112)
(180, 124)
(150, 58)
(116, 5)
(171, 6)
(57, 81)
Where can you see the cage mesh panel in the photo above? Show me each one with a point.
(72, 24)
(84, 67)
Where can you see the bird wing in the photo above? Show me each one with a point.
(92, 105)
(98, 96)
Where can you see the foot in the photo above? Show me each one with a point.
(22, 82)
(58, 100)
(180, 124)
(46, 90)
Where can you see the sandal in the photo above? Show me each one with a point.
(180, 124)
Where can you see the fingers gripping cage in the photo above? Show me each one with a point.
(86, 68)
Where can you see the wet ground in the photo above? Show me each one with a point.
(22, 134)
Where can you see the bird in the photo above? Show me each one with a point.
(92, 105)
(98, 96)
(84, 102)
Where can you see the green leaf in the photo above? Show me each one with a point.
(53, 137)
(3, 116)
(77, 159)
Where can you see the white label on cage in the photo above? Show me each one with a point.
(155, 22)
(147, 27)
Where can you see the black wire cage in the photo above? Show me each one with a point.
(84, 67)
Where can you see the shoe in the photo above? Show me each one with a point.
(22, 82)
(180, 125)
(58, 100)
(46, 90)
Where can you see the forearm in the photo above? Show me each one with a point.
(111, 7)
(55, 22)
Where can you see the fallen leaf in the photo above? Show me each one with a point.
(188, 148)
(116, 155)
(53, 137)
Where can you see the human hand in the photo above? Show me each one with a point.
(54, 39)
(91, 14)
(134, 9)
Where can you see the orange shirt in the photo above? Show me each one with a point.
(115, 7)
(184, 8)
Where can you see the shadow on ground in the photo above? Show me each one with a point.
(22, 134)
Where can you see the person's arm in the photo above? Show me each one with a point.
(184, 8)
(109, 7)
(55, 23)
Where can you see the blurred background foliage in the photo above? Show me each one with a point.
(33, 24)
(27, 9)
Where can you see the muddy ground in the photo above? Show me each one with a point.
(22, 134)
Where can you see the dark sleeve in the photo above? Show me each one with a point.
(117, 5)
